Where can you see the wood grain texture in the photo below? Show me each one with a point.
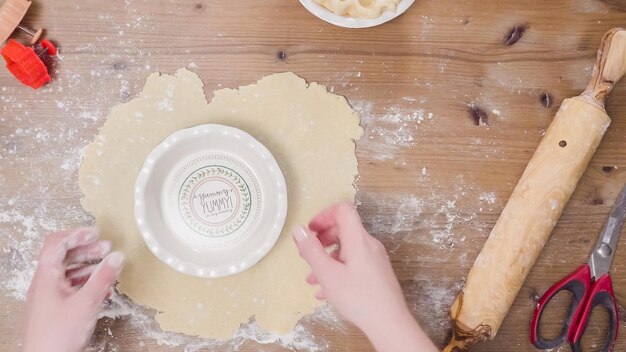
(444, 57)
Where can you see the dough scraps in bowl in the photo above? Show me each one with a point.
(359, 8)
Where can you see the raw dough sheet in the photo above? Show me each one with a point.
(310, 131)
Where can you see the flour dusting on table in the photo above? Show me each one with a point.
(390, 130)
(437, 295)
(300, 339)
(431, 219)
(20, 249)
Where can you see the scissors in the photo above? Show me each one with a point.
(590, 285)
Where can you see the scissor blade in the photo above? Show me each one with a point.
(603, 252)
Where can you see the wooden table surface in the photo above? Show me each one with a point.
(432, 182)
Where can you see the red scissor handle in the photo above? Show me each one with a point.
(601, 294)
(578, 283)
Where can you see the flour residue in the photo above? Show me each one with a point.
(435, 297)
(426, 219)
(429, 229)
(31, 207)
(300, 339)
(20, 249)
(390, 130)
(488, 197)
(22, 234)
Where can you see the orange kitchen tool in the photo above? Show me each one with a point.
(26, 65)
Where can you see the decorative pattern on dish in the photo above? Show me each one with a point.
(215, 196)
(214, 201)
(359, 8)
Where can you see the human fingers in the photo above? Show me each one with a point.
(320, 295)
(57, 245)
(110, 293)
(311, 279)
(329, 237)
(79, 276)
(343, 216)
(313, 252)
(90, 252)
(334, 247)
(100, 281)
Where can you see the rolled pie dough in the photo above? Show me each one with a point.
(310, 131)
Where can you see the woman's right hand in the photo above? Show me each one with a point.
(358, 279)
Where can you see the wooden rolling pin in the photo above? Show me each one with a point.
(536, 203)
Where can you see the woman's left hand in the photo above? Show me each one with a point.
(67, 291)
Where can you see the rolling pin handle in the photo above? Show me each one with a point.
(35, 34)
(610, 66)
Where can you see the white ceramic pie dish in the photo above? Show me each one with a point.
(348, 22)
(210, 201)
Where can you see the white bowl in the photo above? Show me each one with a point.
(349, 22)
(210, 201)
